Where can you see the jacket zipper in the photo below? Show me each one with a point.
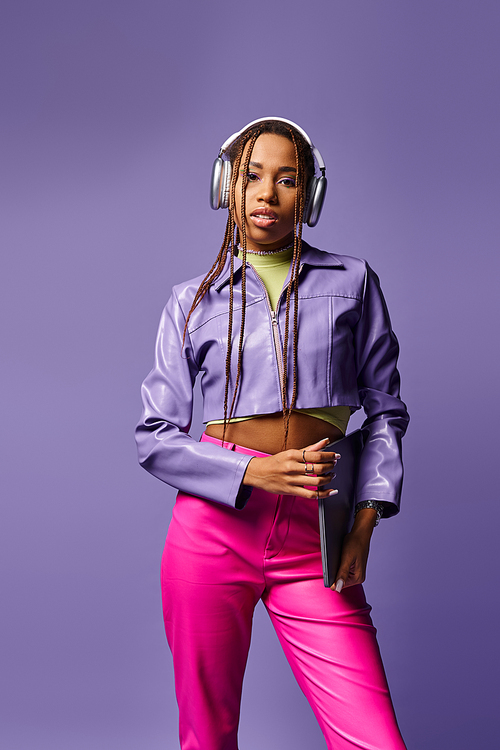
(274, 327)
(277, 343)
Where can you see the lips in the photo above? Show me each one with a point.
(263, 217)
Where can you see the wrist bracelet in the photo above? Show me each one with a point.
(370, 504)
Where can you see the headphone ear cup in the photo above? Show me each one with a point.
(225, 184)
(315, 196)
(215, 180)
(220, 183)
(311, 187)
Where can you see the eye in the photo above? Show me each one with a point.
(288, 182)
(249, 176)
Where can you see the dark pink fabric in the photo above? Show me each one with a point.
(218, 562)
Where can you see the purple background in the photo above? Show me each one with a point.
(112, 112)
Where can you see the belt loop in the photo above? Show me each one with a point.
(228, 446)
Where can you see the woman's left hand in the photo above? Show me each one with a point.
(352, 568)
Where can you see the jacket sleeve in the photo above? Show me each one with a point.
(380, 474)
(165, 448)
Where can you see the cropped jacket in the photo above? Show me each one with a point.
(347, 355)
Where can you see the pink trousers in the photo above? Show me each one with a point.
(218, 562)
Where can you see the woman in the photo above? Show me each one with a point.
(289, 340)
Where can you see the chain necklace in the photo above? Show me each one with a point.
(268, 252)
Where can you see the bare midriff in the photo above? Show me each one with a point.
(266, 433)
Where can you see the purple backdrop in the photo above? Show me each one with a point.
(111, 114)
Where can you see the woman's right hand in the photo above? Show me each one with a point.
(285, 473)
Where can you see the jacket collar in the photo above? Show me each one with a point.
(310, 256)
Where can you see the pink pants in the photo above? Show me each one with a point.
(218, 562)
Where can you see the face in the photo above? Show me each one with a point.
(270, 193)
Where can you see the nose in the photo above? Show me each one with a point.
(267, 192)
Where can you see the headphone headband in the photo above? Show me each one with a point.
(235, 136)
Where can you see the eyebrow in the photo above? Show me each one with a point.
(281, 169)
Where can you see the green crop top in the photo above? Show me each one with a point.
(273, 270)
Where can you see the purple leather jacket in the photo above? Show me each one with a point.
(347, 355)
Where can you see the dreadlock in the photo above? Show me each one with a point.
(235, 240)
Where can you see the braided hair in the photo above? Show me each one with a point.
(235, 241)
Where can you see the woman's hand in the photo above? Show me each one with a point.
(352, 568)
(292, 472)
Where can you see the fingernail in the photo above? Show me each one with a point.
(337, 455)
(333, 492)
(339, 585)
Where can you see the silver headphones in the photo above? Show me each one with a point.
(221, 175)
